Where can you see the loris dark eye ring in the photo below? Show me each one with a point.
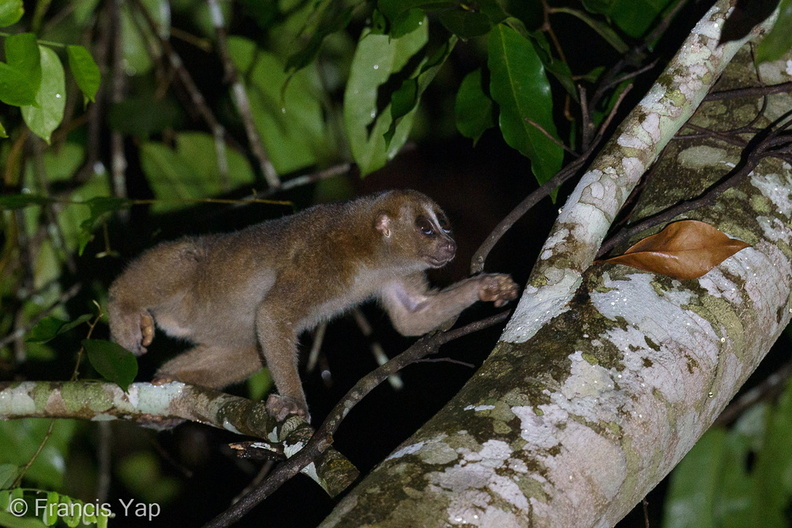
(424, 225)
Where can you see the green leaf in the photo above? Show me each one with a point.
(405, 100)
(72, 218)
(634, 17)
(3, 133)
(85, 70)
(8, 474)
(51, 327)
(20, 77)
(9, 520)
(473, 108)
(737, 478)
(463, 19)
(21, 439)
(376, 59)
(691, 495)
(395, 9)
(328, 17)
(20, 201)
(467, 23)
(603, 29)
(779, 40)
(773, 469)
(10, 12)
(519, 85)
(287, 109)
(190, 172)
(112, 361)
(47, 114)
(259, 384)
(141, 473)
(136, 34)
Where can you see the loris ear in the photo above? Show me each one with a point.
(383, 224)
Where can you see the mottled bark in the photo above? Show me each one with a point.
(166, 405)
(606, 376)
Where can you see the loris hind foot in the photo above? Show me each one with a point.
(281, 407)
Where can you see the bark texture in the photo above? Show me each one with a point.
(591, 398)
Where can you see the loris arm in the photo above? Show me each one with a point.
(414, 309)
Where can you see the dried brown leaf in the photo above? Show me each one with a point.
(684, 250)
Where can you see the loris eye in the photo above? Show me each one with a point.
(424, 225)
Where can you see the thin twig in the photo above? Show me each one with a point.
(240, 98)
(754, 91)
(21, 331)
(95, 111)
(477, 262)
(196, 97)
(323, 437)
(550, 136)
(118, 164)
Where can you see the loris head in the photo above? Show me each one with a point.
(414, 228)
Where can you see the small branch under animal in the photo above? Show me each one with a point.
(244, 298)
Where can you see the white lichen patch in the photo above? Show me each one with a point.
(438, 453)
(535, 309)
(493, 453)
(775, 72)
(652, 102)
(555, 239)
(409, 449)
(765, 272)
(18, 400)
(479, 408)
(701, 156)
(576, 476)
(479, 482)
(709, 26)
(773, 229)
(540, 431)
(776, 190)
(154, 399)
(719, 285)
(596, 190)
(586, 380)
(657, 322)
(228, 426)
(133, 395)
(633, 168)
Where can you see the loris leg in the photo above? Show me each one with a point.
(279, 346)
(211, 366)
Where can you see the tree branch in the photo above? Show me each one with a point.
(166, 405)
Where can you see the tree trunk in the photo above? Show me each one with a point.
(606, 376)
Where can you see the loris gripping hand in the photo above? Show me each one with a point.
(497, 288)
(243, 298)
